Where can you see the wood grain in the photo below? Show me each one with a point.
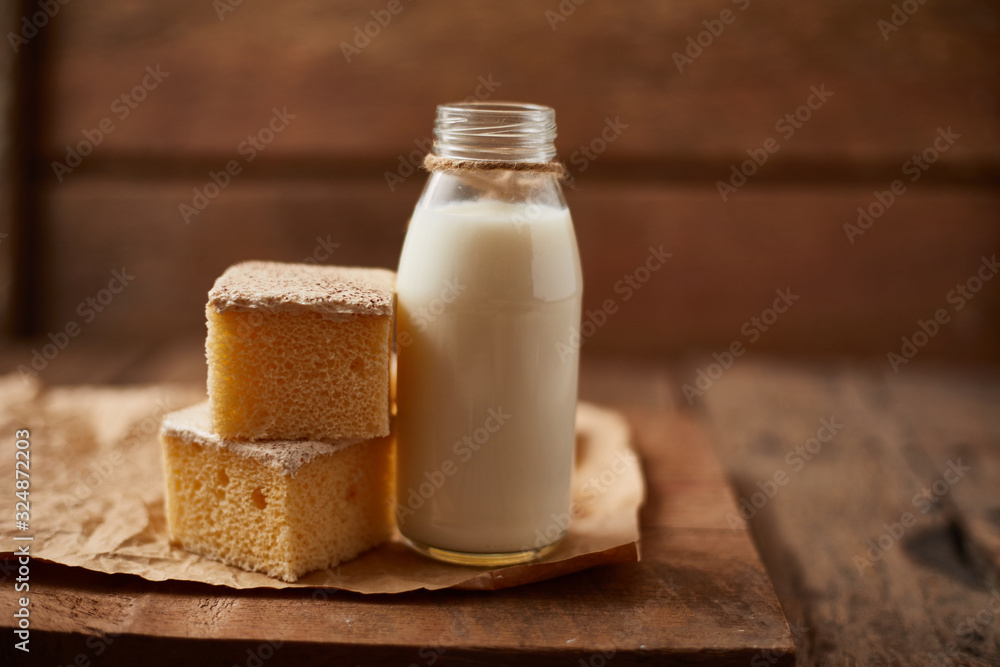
(854, 556)
(953, 420)
(655, 181)
(727, 259)
(664, 605)
(603, 62)
(900, 432)
(699, 596)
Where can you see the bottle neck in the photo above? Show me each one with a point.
(495, 131)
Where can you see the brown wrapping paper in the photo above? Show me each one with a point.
(97, 497)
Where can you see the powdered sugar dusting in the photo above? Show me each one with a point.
(277, 286)
(194, 425)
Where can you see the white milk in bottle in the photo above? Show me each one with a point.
(489, 294)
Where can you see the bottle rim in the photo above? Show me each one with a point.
(502, 107)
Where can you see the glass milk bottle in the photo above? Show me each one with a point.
(489, 290)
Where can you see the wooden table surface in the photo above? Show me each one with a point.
(700, 595)
(871, 498)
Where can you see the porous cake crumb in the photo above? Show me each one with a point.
(281, 508)
(299, 351)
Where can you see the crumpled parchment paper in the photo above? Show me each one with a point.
(96, 497)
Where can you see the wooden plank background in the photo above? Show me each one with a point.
(322, 181)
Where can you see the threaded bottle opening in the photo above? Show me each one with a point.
(502, 131)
